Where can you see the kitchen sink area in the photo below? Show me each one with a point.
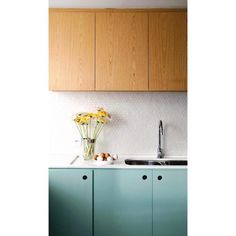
(156, 162)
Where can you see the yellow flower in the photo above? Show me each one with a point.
(85, 119)
(100, 116)
(82, 118)
(94, 115)
(76, 118)
(102, 113)
(90, 115)
(102, 120)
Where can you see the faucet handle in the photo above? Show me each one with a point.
(160, 153)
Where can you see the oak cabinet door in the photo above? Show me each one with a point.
(170, 202)
(168, 51)
(70, 202)
(122, 202)
(71, 50)
(122, 51)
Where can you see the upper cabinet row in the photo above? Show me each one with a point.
(117, 50)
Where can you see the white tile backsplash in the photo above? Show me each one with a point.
(134, 125)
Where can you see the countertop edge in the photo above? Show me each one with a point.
(63, 161)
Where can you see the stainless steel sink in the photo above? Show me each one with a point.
(157, 162)
(176, 162)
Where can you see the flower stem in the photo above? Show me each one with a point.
(99, 130)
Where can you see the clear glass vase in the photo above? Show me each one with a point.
(88, 147)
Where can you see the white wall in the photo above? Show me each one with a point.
(118, 3)
(134, 125)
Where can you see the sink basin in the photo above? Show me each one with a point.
(157, 162)
(176, 162)
(143, 162)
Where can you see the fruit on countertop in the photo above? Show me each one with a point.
(99, 158)
(104, 157)
(95, 156)
(110, 158)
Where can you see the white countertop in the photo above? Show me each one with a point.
(64, 160)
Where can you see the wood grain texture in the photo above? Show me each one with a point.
(121, 51)
(168, 51)
(71, 50)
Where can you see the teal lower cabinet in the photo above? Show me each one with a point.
(122, 202)
(117, 202)
(170, 202)
(70, 202)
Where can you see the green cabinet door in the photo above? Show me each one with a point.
(122, 202)
(170, 202)
(70, 202)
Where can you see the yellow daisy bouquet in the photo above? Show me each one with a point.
(89, 126)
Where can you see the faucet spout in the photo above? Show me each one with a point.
(161, 127)
(160, 153)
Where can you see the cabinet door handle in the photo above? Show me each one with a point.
(159, 177)
(85, 177)
(144, 177)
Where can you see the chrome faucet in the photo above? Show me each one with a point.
(160, 153)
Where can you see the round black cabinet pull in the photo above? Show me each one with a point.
(159, 177)
(144, 177)
(85, 177)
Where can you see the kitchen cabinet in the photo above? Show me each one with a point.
(117, 49)
(168, 51)
(122, 51)
(71, 50)
(70, 202)
(117, 202)
(170, 202)
(122, 202)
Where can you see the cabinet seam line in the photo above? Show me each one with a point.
(152, 200)
(148, 66)
(95, 51)
(93, 203)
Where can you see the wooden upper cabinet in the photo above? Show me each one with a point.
(71, 50)
(117, 50)
(122, 51)
(168, 51)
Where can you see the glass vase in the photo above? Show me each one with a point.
(88, 147)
